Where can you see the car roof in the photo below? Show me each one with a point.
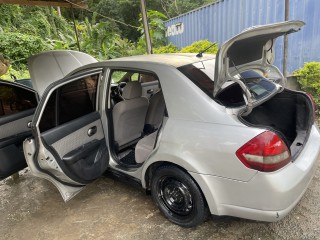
(174, 59)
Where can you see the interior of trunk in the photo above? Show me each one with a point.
(289, 113)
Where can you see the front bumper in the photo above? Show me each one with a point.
(267, 196)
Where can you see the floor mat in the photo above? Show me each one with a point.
(129, 159)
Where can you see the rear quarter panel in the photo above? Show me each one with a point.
(199, 135)
(205, 148)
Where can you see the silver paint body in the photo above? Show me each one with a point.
(201, 136)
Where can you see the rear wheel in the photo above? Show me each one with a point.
(178, 196)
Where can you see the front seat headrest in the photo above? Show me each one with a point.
(132, 90)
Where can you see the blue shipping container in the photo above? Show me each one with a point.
(220, 21)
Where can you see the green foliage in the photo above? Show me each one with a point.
(25, 31)
(195, 47)
(9, 16)
(97, 40)
(18, 47)
(39, 21)
(57, 44)
(126, 11)
(199, 46)
(309, 79)
(37, 25)
(170, 48)
(156, 28)
(19, 74)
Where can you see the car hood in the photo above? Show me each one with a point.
(48, 67)
(252, 47)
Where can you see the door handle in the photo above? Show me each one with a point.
(150, 91)
(92, 131)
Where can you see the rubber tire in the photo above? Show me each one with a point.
(199, 211)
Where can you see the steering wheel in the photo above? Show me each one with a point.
(120, 88)
(116, 94)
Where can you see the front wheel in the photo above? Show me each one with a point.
(178, 196)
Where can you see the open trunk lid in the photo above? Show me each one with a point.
(253, 49)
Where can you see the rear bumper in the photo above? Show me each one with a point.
(267, 196)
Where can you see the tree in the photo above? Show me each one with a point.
(156, 28)
(124, 11)
(113, 31)
(17, 47)
(97, 40)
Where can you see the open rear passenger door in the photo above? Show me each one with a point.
(17, 106)
(68, 146)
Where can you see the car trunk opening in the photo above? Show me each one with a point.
(252, 47)
(289, 114)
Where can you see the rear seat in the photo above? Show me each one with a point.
(155, 112)
(145, 146)
(153, 121)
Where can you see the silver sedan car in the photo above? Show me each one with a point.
(203, 134)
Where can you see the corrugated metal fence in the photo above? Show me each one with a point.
(220, 21)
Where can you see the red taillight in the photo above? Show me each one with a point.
(266, 153)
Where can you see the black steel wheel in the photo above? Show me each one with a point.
(178, 196)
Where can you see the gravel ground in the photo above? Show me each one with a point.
(32, 208)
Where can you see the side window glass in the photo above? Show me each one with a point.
(70, 101)
(127, 76)
(14, 99)
(144, 78)
(118, 76)
(135, 77)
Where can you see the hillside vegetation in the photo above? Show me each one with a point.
(112, 29)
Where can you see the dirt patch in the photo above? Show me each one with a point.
(32, 208)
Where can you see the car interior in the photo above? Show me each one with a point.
(137, 109)
(71, 130)
(17, 106)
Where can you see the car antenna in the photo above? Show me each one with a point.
(199, 55)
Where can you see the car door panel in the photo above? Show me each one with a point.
(149, 88)
(81, 152)
(66, 191)
(17, 104)
(69, 147)
(80, 156)
(12, 135)
(13, 125)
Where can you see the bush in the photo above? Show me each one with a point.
(19, 47)
(309, 79)
(170, 48)
(195, 47)
(199, 46)
(19, 74)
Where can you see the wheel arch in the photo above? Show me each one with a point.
(201, 183)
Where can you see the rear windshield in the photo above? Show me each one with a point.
(201, 74)
(257, 84)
